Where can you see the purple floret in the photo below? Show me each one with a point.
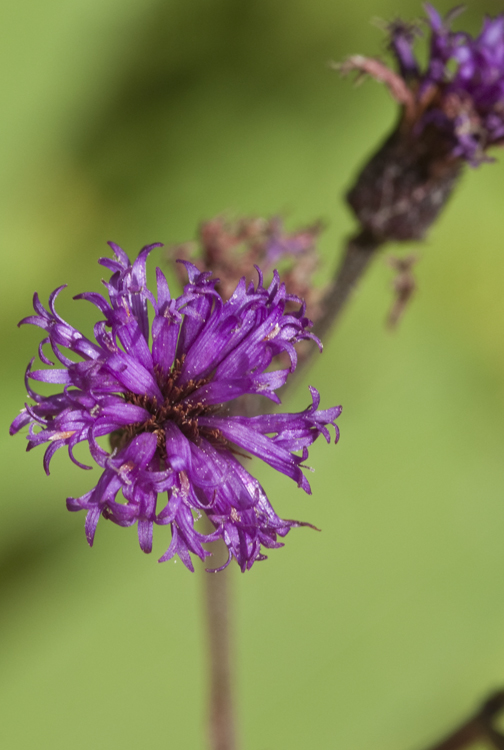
(461, 91)
(165, 406)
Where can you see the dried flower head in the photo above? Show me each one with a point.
(232, 248)
(162, 406)
(451, 113)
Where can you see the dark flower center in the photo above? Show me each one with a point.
(174, 408)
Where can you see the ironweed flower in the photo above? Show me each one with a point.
(451, 113)
(162, 406)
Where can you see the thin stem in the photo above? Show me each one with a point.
(479, 727)
(359, 251)
(221, 721)
(358, 254)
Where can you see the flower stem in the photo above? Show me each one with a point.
(221, 721)
(478, 728)
(359, 251)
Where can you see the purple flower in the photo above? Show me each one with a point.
(452, 111)
(164, 406)
(459, 94)
(461, 91)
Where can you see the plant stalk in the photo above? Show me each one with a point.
(359, 251)
(478, 728)
(221, 718)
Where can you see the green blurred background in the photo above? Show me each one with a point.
(133, 121)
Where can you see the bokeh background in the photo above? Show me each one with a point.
(133, 121)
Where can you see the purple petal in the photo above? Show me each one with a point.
(259, 445)
(133, 375)
(178, 449)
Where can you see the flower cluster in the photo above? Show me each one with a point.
(163, 406)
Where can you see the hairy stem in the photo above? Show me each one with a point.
(478, 728)
(221, 720)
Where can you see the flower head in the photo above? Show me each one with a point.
(452, 111)
(231, 249)
(163, 405)
(461, 91)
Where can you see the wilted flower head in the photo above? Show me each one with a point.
(232, 248)
(162, 406)
(451, 113)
